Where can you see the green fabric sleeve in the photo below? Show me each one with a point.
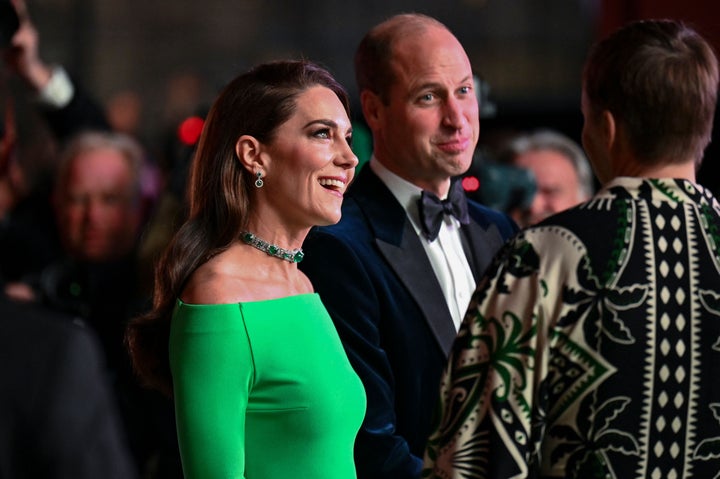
(212, 369)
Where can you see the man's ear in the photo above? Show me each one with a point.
(372, 108)
(609, 129)
(247, 150)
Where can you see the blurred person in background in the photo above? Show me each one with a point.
(71, 243)
(28, 238)
(97, 205)
(562, 173)
(65, 105)
(67, 109)
(98, 208)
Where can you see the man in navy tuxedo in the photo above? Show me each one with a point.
(395, 281)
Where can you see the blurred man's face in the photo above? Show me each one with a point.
(97, 208)
(558, 185)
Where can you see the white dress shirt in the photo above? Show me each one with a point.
(446, 253)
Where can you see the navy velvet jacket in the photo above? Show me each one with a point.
(375, 279)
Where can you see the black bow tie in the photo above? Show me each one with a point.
(433, 208)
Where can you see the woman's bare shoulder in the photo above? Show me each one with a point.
(237, 275)
(218, 281)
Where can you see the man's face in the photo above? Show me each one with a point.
(96, 208)
(428, 130)
(558, 185)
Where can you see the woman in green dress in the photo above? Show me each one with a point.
(261, 384)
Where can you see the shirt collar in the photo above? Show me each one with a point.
(406, 193)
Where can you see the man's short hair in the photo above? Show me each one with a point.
(373, 70)
(90, 140)
(659, 79)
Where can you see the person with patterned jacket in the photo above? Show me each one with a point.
(591, 347)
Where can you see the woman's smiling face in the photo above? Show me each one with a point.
(309, 163)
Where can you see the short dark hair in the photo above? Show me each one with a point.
(659, 79)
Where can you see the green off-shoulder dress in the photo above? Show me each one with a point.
(263, 390)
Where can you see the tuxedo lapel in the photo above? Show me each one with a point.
(400, 246)
(478, 244)
(410, 263)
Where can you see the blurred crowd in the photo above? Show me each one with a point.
(78, 236)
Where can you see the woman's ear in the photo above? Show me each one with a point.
(247, 150)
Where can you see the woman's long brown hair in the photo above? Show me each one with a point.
(255, 103)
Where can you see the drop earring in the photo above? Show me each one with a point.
(259, 182)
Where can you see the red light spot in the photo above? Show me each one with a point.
(190, 129)
(470, 183)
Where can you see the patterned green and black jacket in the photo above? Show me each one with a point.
(592, 347)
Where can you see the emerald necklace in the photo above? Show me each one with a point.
(291, 255)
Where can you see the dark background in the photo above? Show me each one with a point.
(164, 60)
